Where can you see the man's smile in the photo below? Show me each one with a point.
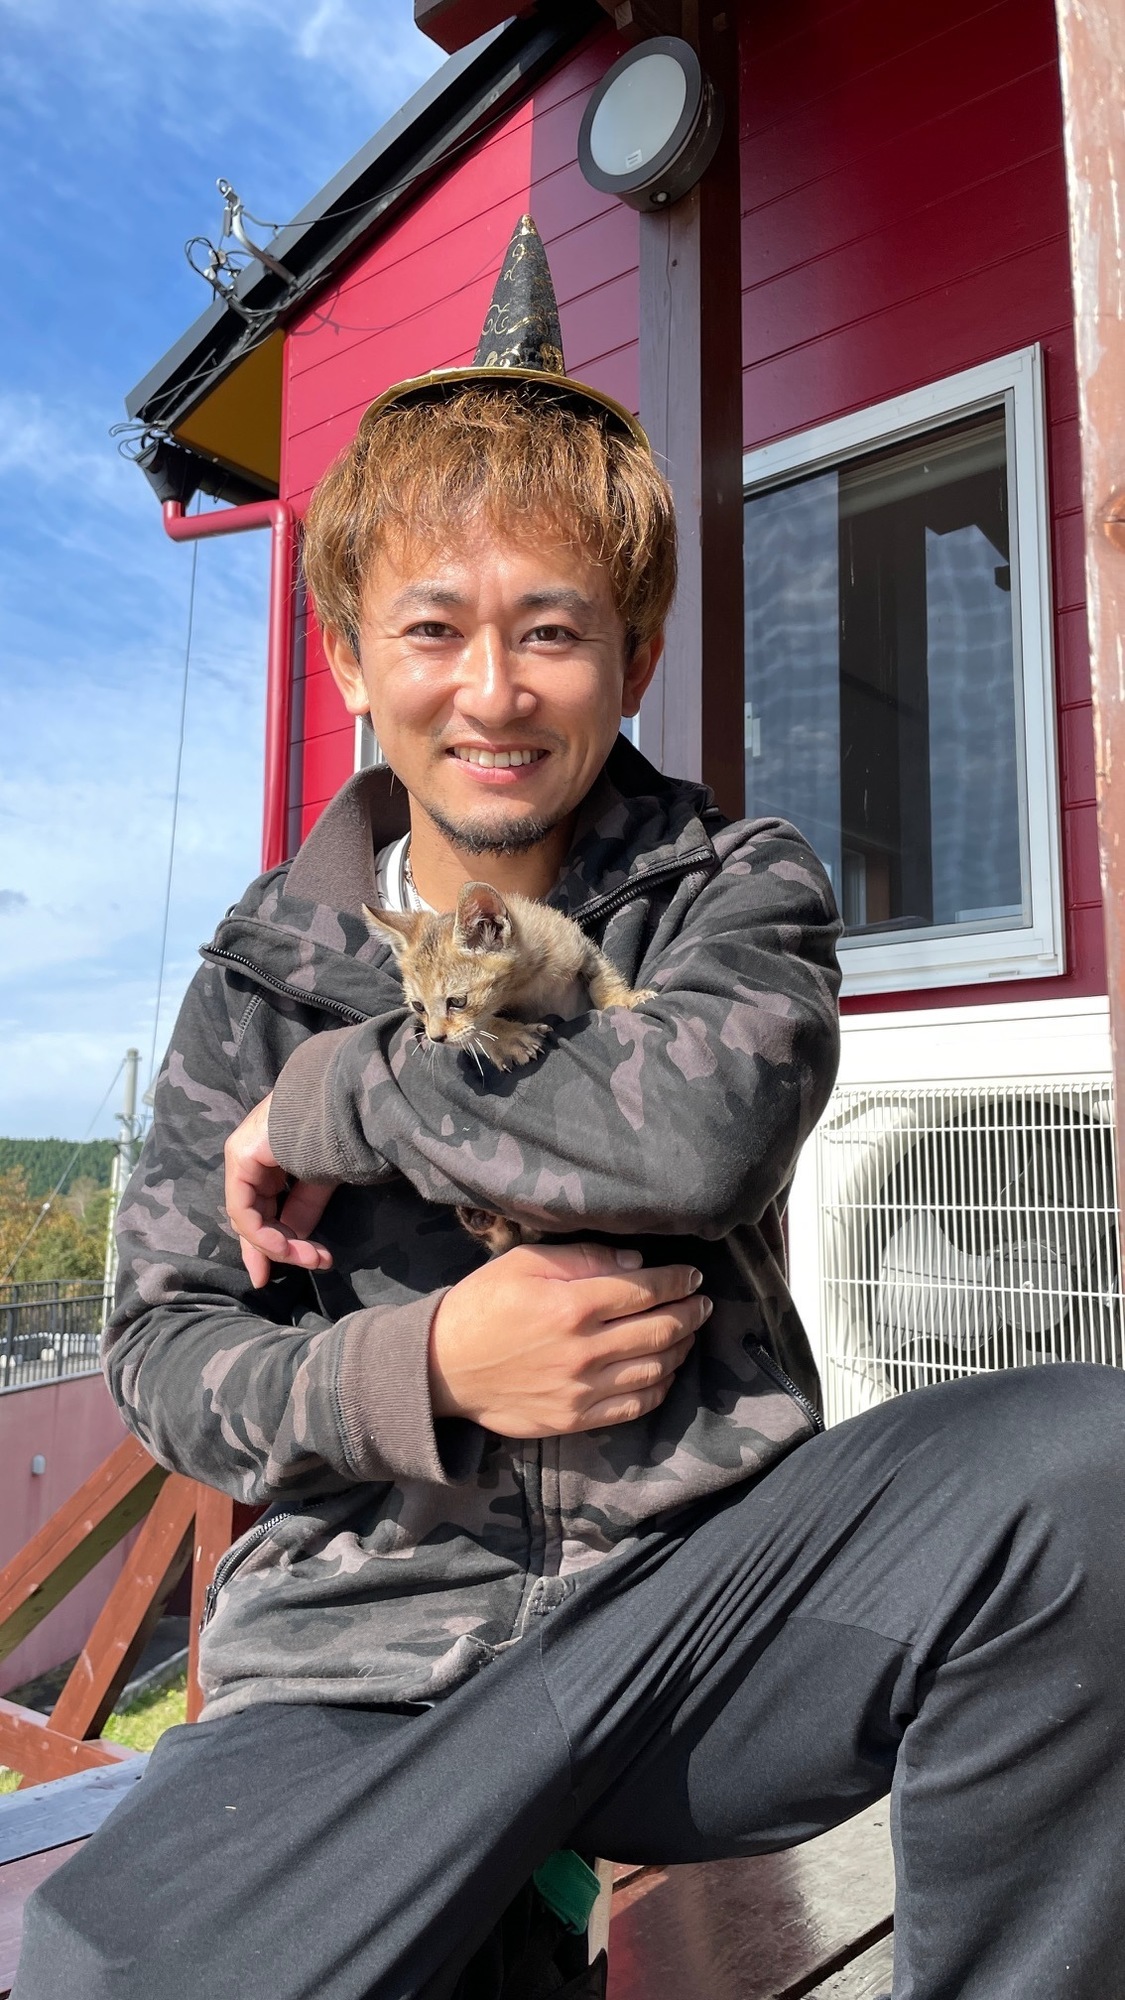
(495, 766)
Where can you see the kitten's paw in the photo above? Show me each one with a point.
(514, 1043)
(637, 999)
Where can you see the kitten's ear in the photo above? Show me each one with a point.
(397, 925)
(482, 922)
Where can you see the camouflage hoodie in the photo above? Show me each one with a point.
(400, 1553)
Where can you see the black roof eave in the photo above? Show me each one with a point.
(468, 92)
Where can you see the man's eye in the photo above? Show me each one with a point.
(553, 635)
(430, 628)
(456, 1006)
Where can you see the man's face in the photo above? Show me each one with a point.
(496, 677)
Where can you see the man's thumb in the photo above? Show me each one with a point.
(305, 1204)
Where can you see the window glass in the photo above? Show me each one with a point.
(881, 680)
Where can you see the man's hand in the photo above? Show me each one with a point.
(545, 1342)
(254, 1186)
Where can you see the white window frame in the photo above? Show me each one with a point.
(967, 957)
(368, 750)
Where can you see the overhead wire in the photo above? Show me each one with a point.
(134, 434)
(63, 1177)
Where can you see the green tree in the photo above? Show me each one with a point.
(59, 1244)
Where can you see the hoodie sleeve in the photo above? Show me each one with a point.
(214, 1377)
(683, 1117)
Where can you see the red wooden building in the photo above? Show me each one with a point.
(854, 344)
(914, 684)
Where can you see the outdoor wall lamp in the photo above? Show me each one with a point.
(652, 125)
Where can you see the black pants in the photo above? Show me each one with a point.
(927, 1600)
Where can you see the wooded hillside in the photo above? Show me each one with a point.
(43, 1160)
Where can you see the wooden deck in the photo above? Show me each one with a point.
(814, 1922)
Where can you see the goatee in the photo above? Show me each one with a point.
(518, 836)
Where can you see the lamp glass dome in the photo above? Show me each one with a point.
(638, 114)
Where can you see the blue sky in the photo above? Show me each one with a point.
(115, 119)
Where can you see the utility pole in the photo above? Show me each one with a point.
(124, 1160)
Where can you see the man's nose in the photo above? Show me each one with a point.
(490, 690)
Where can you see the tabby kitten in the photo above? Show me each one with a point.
(479, 978)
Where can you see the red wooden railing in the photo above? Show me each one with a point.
(182, 1523)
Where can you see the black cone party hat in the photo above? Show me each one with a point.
(521, 327)
(520, 342)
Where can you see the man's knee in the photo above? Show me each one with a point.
(1044, 1443)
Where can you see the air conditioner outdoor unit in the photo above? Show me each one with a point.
(955, 1210)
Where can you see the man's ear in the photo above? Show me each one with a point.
(639, 670)
(397, 925)
(346, 670)
(482, 922)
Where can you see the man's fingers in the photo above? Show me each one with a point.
(624, 1409)
(257, 1264)
(280, 1247)
(642, 1371)
(305, 1204)
(606, 1299)
(650, 1333)
(251, 1197)
(255, 1184)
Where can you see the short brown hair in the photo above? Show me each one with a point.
(416, 470)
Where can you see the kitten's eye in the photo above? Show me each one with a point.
(419, 1006)
(456, 1006)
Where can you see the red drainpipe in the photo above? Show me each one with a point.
(279, 517)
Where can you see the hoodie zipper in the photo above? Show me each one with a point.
(306, 999)
(703, 859)
(228, 1563)
(774, 1369)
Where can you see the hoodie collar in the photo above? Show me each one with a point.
(302, 926)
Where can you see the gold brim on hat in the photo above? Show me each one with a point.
(559, 388)
(520, 343)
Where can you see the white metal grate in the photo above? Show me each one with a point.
(964, 1227)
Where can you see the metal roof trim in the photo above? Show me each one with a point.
(487, 78)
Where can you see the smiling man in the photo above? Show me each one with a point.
(557, 1554)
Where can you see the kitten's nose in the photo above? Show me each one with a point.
(434, 1036)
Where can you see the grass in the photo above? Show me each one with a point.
(139, 1727)
(148, 1718)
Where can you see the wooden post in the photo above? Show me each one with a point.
(215, 1530)
(1092, 68)
(691, 723)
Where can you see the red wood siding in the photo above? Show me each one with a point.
(904, 218)
(74, 1424)
(416, 300)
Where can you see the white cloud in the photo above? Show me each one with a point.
(87, 805)
(57, 446)
(117, 118)
(193, 61)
